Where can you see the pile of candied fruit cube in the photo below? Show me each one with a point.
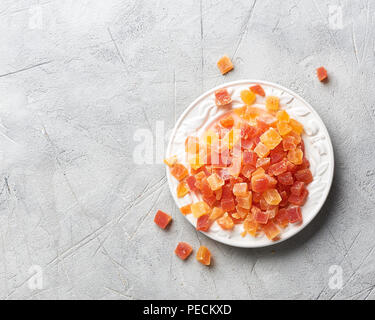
(248, 168)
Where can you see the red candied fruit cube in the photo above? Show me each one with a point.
(162, 219)
(304, 175)
(278, 168)
(282, 218)
(294, 214)
(179, 171)
(250, 157)
(261, 217)
(285, 178)
(299, 200)
(190, 180)
(210, 200)
(257, 89)
(321, 73)
(305, 164)
(297, 188)
(247, 170)
(183, 250)
(222, 97)
(259, 184)
(277, 156)
(203, 223)
(284, 198)
(228, 204)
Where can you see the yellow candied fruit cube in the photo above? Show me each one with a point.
(282, 115)
(171, 161)
(248, 97)
(272, 103)
(296, 126)
(283, 127)
(200, 208)
(271, 138)
(295, 156)
(272, 197)
(225, 64)
(216, 213)
(250, 226)
(261, 150)
(182, 190)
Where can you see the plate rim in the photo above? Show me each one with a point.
(330, 153)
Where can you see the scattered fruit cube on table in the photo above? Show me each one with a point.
(162, 219)
(257, 89)
(185, 209)
(183, 250)
(321, 72)
(225, 64)
(222, 97)
(204, 255)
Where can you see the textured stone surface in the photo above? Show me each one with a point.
(79, 78)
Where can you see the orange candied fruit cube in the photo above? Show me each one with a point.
(216, 213)
(215, 181)
(240, 189)
(222, 97)
(272, 103)
(200, 208)
(271, 138)
(271, 230)
(272, 197)
(162, 219)
(204, 256)
(295, 156)
(183, 250)
(282, 115)
(186, 209)
(283, 127)
(245, 201)
(321, 72)
(225, 222)
(227, 122)
(250, 226)
(182, 190)
(179, 171)
(225, 64)
(296, 126)
(171, 161)
(261, 150)
(257, 89)
(248, 97)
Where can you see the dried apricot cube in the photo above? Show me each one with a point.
(272, 197)
(272, 103)
(295, 156)
(257, 89)
(215, 181)
(182, 190)
(179, 171)
(296, 126)
(248, 97)
(321, 73)
(283, 127)
(185, 209)
(271, 230)
(270, 138)
(200, 208)
(240, 189)
(204, 255)
(222, 97)
(261, 150)
(183, 250)
(225, 222)
(304, 175)
(162, 219)
(282, 115)
(225, 64)
(245, 201)
(203, 223)
(216, 213)
(171, 161)
(227, 122)
(294, 214)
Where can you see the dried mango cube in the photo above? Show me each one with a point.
(240, 189)
(227, 122)
(182, 190)
(272, 197)
(204, 255)
(225, 222)
(248, 97)
(245, 201)
(171, 161)
(183, 250)
(282, 115)
(185, 209)
(216, 213)
(225, 64)
(321, 73)
(296, 126)
(257, 89)
(283, 127)
(271, 230)
(270, 138)
(222, 97)
(272, 103)
(200, 208)
(162, 219)
(262, 150)
(295, 156)
(203, 223)
(215, 181)
(179, 171)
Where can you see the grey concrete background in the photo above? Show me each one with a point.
(78, 78)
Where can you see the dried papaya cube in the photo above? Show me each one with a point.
(245, 201)
(235, 167)
(171, 161)
(257, 197)
(240, 189)
(289, 143)
(272, 197)
(271, 138)
(225, 222)
(183, 250)
(295, 156)
(247, 170)
(205, 188)
(297, 188)
(261, 150)
(294, 214)
(218, 193)
(182, 190)
(203, 223)
(283, 127)
(250, 226)
(227, 192)
(261, 217)
(291, 167)
(264, 163)
(296, 136)
(257, 89)
(179, 171)
(296, 126)
(200, 175)
(215, 181)
(249, 157)
(191, 180)
(271, 230)
(282, 218)
(286, 178)
(321, 73)
(284, 198)
(216, 213)
(242, 212)
(222, 97)
(185, 209)
(200, 208)
(282, 115)
(272, 212)
(277, 154)
(305, 163)
(162, 219)
(304, 175)
(225, 64)
(259, 183)
(227, 122)
(204, 255)
(228, 204)
(299, 200)
(210, 200)
(272, 103)
(248, 97)
(278, 168)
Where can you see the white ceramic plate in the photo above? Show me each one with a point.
(318, 148)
